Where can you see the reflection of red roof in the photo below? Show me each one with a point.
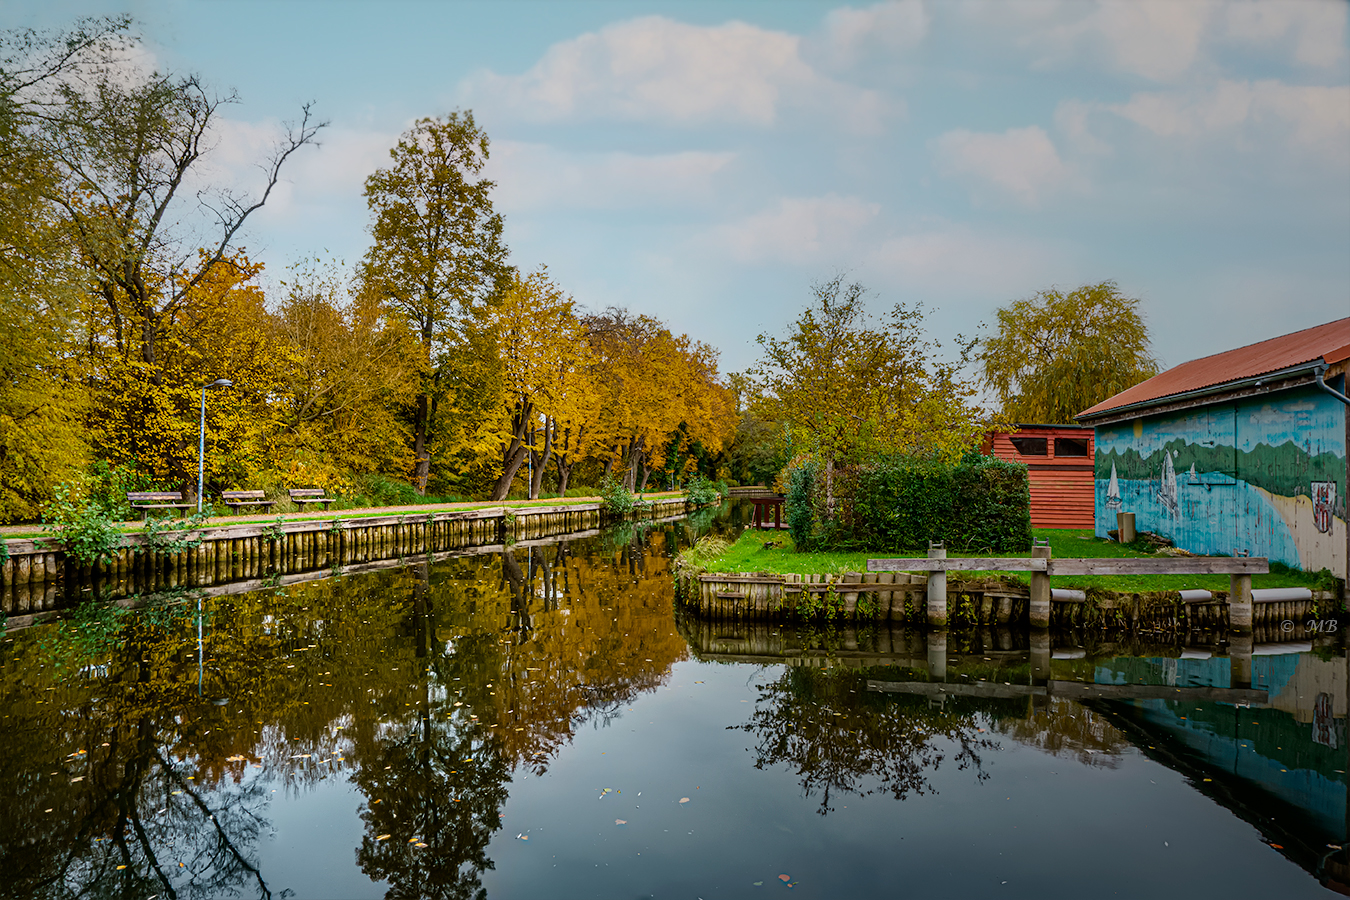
(1330, 342)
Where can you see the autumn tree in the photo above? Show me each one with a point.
(1055, 354)
(849, 384)
(41, 398)
(345, 363)
(650, 382)
(121, 153)
(545, 360)
(437, 256)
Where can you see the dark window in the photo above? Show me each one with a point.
(1071, 446)
(1029, 446)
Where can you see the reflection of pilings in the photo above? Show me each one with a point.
(1240, 660)
(1040, 655)
(937, 655)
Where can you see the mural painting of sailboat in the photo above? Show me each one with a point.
(1113, 491)
(1195, 479)
(1167, 485)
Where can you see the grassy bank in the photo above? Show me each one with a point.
(773, 551)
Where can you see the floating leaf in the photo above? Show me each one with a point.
(381, 837)
(785, 878)
(620, 821)
(684, 799)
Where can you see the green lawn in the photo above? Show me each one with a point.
(749, 554)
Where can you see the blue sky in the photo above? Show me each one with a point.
(706, 162)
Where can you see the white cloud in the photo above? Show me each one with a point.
(1316, 29)
(800, 231)
(657, 69)
(956, 260)
(1310, 115)
(535, 176)
(1168, 40)
(850, 34)
(1020, 162)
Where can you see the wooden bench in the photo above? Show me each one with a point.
(144, 501)
(236, 499)
(301, 496)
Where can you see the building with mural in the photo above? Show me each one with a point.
(1240, 452)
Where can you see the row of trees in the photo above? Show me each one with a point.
(124, 289)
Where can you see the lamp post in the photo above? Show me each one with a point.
(201, 438)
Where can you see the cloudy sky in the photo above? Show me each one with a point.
(706, 162)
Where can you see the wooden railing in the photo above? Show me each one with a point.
(1043, 567)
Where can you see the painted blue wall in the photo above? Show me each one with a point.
(1266, 475)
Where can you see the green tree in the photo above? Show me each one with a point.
(851, 386)
(437, 256)
(1057, 354)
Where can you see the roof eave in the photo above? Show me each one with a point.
(1225, 387)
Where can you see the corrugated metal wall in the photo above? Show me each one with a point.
(1062, 494)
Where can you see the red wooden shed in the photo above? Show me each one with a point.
(1059, 464)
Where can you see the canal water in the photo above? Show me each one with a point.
(542, 722)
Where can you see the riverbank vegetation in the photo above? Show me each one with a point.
(774, 552)
(433, 370)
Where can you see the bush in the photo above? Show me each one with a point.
(898, 503)
(702, 491)
(81, 526)
(616, 499)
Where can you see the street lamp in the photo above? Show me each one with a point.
(201, 440)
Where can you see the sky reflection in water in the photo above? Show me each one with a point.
(535, 723)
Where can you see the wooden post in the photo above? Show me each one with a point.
(1125, 527)
(937, 589)
(1038, 605)
(1240, 603)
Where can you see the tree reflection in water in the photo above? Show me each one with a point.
(425, 687)
(838, 737)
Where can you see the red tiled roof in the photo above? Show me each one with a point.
(1330, 342)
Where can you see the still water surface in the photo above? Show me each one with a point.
(534, 722)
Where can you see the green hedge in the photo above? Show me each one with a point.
(979, 504)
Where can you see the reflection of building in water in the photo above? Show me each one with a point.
(1281, 766)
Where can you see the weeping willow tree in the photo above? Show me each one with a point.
(1058, 354)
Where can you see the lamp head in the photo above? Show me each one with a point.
(221, 382)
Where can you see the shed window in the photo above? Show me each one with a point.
(1030, 446)
(1071, 447)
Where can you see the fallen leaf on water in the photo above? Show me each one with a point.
(684, 799)
(77, 778)
(522, 837)
(120, 868)
(758, 883)
(381, 837)
(419, 844)
(785, 878)
(620, 821)
(1277, 846)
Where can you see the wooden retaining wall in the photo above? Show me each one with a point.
(37, 578)
(900, 597)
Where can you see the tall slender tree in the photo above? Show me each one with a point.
(437, 256)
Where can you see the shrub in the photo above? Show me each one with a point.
(899, 503)
(82, 527)
(616, 499)
(701, 490)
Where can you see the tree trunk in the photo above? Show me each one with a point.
(540, 460)
(514, 453)
(829, 488)
(422, 470)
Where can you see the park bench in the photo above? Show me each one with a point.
(236, 499)
(144, 501)
(301, 496)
